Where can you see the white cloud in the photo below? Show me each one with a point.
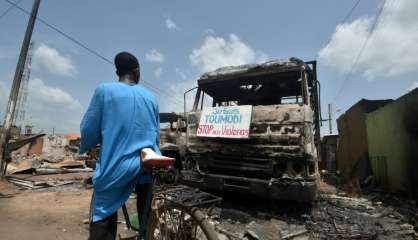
(209, 31)
(413, 86)
(48, 107)
(154, 56)
(53, 61)
(158, 72)
(391, 51)
(218, 52)
(52, 107)
(213, 53)
(181, 74)
(50, 97)
(171, 25)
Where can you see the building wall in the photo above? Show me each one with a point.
(352, 142)
(329, 153)
(393, 144)
(36, 147)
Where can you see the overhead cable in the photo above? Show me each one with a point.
(362, 49)
(8, 9)
(91, 51)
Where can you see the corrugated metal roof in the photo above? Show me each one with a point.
(72, 136)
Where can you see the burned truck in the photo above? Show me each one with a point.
(172, 137)
(270, 149)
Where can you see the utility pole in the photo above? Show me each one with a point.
(14, 92)
(330, 118)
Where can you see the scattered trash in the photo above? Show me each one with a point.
(43, 171)
(36, 184)
(250, 235)
(334, 216)
(295, 234)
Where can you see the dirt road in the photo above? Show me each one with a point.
(58, 213)
(45, 215)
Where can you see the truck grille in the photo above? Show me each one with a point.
(238, 166)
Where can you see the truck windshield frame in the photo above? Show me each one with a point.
(290, 87)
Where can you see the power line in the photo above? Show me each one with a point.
(346, 17)
(91, 51)
(351, 11)
(372, 29)
(8, 10)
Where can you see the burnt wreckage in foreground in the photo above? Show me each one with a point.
(278, 159)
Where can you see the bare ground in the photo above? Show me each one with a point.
(58, 213)
(45, 215)
(48, 213)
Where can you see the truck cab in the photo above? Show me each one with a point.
(277, 158)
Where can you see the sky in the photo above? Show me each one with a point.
(177, 41)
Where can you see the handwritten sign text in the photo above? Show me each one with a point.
(225, 122)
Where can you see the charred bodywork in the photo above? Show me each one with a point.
(172, 134)
(172, 142)
(279, 159)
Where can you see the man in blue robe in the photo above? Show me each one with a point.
(123, 117)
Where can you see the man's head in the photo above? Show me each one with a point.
(127, 66)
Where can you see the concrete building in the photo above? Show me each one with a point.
(392, 134)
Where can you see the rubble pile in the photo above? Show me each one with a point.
(331, 217)
(35, 173)
(337, 217)
(52, 148)
(44, 163)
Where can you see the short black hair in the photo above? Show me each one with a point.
(125, 63)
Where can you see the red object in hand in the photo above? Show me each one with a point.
(151, 160)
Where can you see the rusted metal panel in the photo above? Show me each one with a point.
(14, 145)
(352, 143)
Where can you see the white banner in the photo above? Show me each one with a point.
(225, 122)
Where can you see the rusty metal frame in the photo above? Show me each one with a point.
(316, 103)
(184, 98)
(196, 99)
